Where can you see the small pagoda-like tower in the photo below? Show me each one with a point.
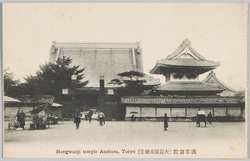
(183, 94)
(182, 69)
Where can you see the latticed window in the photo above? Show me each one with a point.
(191, 76)
(178, 75)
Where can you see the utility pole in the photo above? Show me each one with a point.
(102, 94)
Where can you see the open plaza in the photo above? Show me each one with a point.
(128, 140)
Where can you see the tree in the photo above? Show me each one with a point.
(52, 78)
(133, 81)
(9, 82)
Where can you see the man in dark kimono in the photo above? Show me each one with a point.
(19, 117)
(165, 122)
(90, 115)
(77, 118)
(22, 119)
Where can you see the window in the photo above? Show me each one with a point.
(191, 76)
(178, 75)
(110, 92)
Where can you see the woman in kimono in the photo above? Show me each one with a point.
(165, 122)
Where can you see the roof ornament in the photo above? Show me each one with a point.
(212, 72)
(186, 41)
(138, 49)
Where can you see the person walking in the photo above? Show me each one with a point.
(19, 119)
(77, 118)
(133, 117)
(101, 118)
(209, 117)
(22, 119)
(90, 115)
(165, 122)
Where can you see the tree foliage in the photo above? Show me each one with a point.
(52, 78)
(133, 81)
(9, 82)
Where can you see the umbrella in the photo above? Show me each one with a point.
(101, 114)
(56, 105)
(7, 99)
(38, 109)
(201, 112)
(133, 112)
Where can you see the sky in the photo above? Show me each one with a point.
(217, 31)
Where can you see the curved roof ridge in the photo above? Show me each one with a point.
(213, 75)
(182, 46)
(177, 51)
(196, 53)
(188, 86)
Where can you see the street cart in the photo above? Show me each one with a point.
(13, 124)
(201, 117)
(38, 121)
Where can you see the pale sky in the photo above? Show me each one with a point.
(217, 31)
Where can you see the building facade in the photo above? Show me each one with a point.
(183, 94)
(104, 60)
(100, 59)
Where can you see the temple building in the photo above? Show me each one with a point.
(183, 94)
(102, 63)
(100, 59)
(213, 80)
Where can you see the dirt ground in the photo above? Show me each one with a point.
(128, 140)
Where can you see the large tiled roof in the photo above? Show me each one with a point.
(76, 45)
(187, 63)
(100, 59)
(181, 100)
(187, 86)
(215, 81)
(184, 57)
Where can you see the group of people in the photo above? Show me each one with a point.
(78, 115)
(165, 120)
(21, 118)
(38, 122)
(101, 117)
